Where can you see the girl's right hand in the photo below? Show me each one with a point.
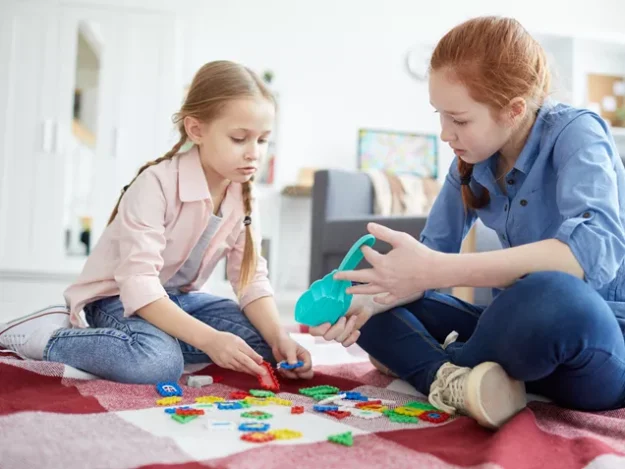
(347, 329)
(230, 351)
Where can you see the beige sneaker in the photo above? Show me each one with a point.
(485, 393)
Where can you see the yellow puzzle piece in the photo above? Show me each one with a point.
(285, 434)
(169, 400)
(278, 401)
(257, 401)
(410, 411)
(209, 399)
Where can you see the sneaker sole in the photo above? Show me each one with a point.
(43, 312)
(493, 397)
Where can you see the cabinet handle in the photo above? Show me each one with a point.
(48, 137)
(114, 142)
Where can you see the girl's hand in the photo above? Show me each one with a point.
(410, 267)
(230, 351)
(287, 349)
(347, 329)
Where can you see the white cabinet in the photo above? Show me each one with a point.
(136, 95)
(29, 149)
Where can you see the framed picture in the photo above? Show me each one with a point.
(398, 152)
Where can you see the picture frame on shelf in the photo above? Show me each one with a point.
(398, 152)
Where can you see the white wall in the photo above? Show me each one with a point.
(339, 65)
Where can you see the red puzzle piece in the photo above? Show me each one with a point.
(360, 405)
(257, 437)
(297, 409)
(187, 412)
(270, 381)
(434, 417)
(339, 414)
(238, 395)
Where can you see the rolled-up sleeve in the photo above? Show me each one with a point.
(448, 222)
(141, 240)
(259, 285)
(588, 200)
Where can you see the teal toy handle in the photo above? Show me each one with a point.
(354, 255)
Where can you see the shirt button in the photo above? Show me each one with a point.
(523, 202)
(586, 215)
(511, 181)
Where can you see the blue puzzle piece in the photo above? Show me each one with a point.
(286, 366)
(229, 405)
(325, 408)
(168, 389)
(355, 396)
(254, 427)
(172, 410)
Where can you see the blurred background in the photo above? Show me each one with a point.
(88, 87)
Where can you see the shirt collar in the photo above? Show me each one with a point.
(530, 151)
(483, 172)
(192, 184)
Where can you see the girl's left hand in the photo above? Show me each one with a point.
(288, 349)
(410, 267)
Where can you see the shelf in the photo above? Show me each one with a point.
(83, 134)
(618, 132)
(297, 191)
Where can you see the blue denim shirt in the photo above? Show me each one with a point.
(568, 183)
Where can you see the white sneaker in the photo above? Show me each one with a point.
(29, 335)
(485, 393)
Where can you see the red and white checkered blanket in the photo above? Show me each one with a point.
(51, 419)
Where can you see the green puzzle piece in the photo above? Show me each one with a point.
(317, 390)
(261, 393)
(344, 439)
(257, 414)
(183, 418)
(398, 418)
(420, 405)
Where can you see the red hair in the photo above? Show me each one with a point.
(497, 60)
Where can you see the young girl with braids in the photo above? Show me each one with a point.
(547, 178)
(180, 215)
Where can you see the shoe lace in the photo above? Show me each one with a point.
(13, 340)
(450, 339)
(447, 391)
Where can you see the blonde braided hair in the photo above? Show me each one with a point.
(213, 86)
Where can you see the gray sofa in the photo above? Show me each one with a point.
(342, 205)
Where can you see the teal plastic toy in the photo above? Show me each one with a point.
(326, 300)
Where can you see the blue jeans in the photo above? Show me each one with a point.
(549, 329)
(132, 350)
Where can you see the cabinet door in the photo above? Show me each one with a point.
(90, 69)
(71, 137)
(143, 97)
(29, 49)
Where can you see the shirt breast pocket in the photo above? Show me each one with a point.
(536, 215)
